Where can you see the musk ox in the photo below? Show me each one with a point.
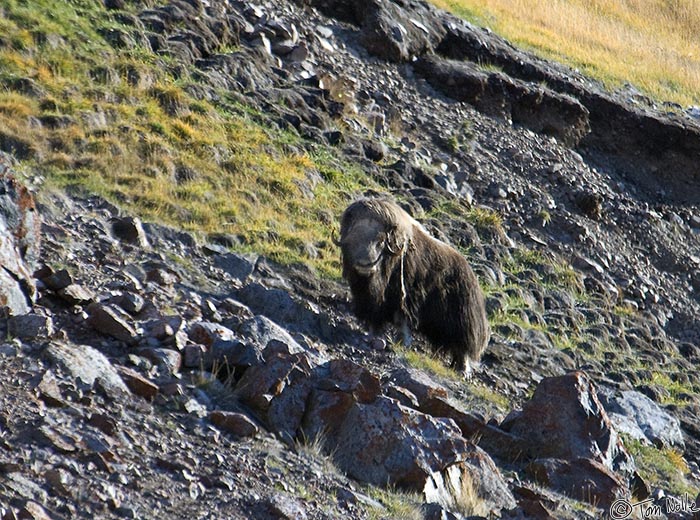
(400, 274)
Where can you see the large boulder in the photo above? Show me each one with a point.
(578, 452)
(88, 367)
(19, 241)
(566, 420)
(582, 479)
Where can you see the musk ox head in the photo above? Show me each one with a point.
(372, 231)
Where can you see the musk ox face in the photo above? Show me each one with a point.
(364, 245)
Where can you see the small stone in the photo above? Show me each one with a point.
(129, 230)
(377, 344)
(58, 280)
(103, 423)
(30, 326)
(236, 423)
(161, 277)
(282, 507)
(110, 321)
(75, 294)
(138, 384)
(206, 333)
(131, 302)
(33, 511)
(299, 53)
(170, 359)
(195, 407)
(49, 392)
(60, 480)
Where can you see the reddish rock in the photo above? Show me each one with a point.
(418, 383)
(565, 420)
(260, 384)
(581, 479)
(354, 379)
(138, 384)
(49, 392)
(236, 423)
(494, 440)
(110, 321)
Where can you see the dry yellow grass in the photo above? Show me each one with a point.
(652, 44)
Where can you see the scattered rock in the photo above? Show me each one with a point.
(235, 423)
(138, 384)
(30, 326)
(110, 320)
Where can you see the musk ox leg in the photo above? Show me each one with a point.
(406, 337)
(462, 364)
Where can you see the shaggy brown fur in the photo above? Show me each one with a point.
(399, 274)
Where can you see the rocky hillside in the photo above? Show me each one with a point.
(177, 341)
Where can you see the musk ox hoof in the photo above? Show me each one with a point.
(376, 343)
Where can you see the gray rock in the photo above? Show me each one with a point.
(281, 507)
(495, 93)
(261, 330)
(235, 353)
(238, 266)
(170, 359)
(58, 280)
(280, 306)
(87, 365)
(30, 326)
(634, 414)
(206, 333)
(131, 302)
(75, 294)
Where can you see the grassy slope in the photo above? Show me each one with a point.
(121, 125)
(652, 44)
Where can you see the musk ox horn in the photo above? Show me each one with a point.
(334, 238)
(428, 287)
